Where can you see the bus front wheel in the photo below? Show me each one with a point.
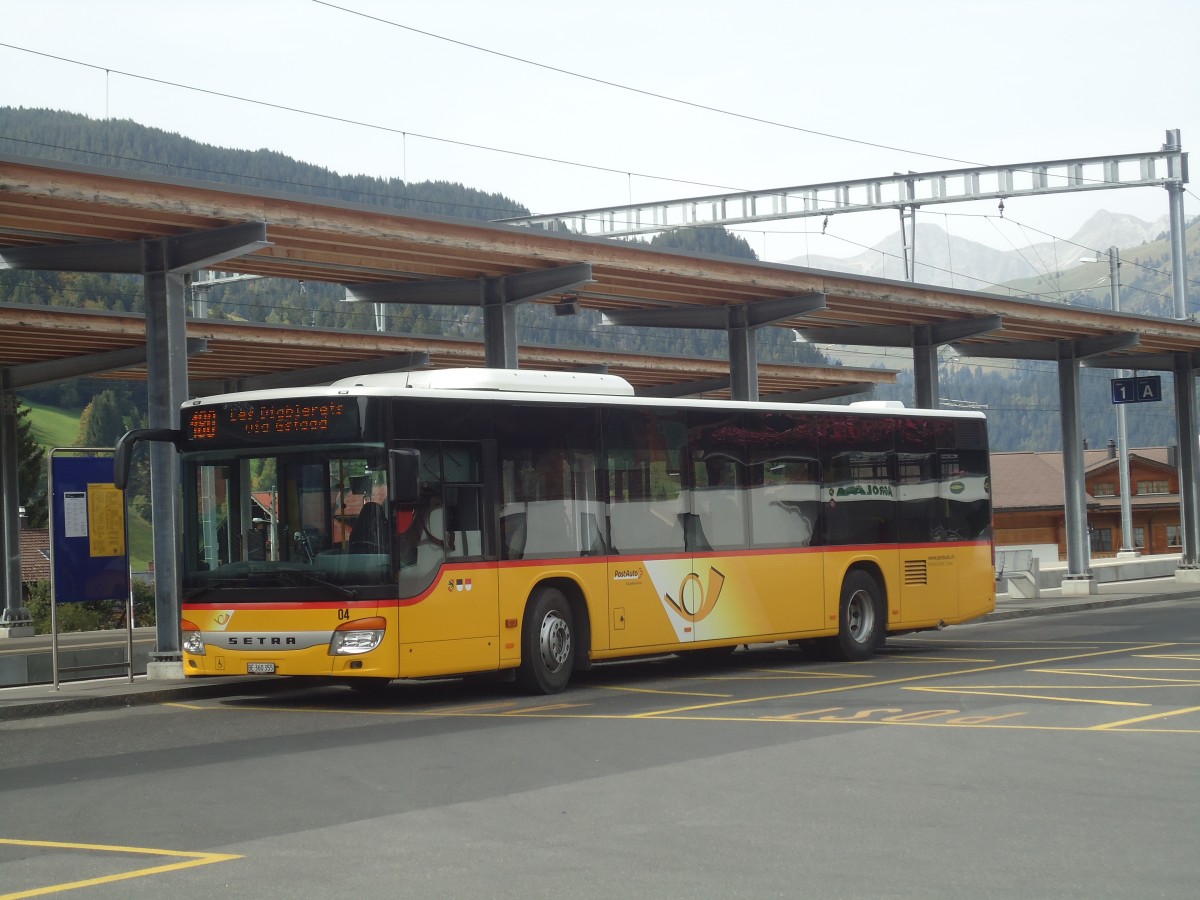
(862, 618)
(547, 643)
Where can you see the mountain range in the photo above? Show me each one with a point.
(950, 261)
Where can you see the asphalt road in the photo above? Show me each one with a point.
(1056, 756)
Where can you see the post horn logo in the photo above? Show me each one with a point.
(695, 601)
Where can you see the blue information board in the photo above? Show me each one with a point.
(87, 552)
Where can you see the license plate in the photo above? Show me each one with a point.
(260, 668)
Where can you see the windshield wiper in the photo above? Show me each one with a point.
(276, 578)
(313, 579)
(209, 586)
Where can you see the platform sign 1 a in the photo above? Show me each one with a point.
(1139, 389)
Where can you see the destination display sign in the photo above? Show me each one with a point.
(273, 421)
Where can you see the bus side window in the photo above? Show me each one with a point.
(463, 520)
(644, 450)
(549, 504)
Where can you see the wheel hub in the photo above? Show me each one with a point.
(860, 616)
(555, 642)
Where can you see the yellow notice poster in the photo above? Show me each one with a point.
(106, 520)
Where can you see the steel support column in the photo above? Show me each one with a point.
(1079, 574)
(925, 368)
(15, 620)
(1177, 177)
(499, 325)
(743, 355)
(1185, 416)
(166, 389)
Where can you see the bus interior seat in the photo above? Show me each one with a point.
(367, 535)
(513, 533)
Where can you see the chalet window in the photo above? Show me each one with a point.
(1153, 487)
(1174, 536)
(1103, 489)
(1139, 537)
(1102, 540)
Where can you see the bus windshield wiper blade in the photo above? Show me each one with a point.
(313, 579)
(211, 586)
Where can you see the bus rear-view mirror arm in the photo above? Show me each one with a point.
(123, 454)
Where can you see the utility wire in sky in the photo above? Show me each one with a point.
(642, 91)
(345, 121)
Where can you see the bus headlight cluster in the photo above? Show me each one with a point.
(359, 636)
(193, 640)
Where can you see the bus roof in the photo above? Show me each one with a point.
(526, 381)
(532, 386)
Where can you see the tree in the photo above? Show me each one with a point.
(104, 419)
(31, 471)
(713, 239)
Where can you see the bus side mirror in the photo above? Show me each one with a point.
(404, 476)
(123, 455)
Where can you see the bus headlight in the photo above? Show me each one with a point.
(193, 640)
(359, 636)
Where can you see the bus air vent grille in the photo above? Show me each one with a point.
(916, 571)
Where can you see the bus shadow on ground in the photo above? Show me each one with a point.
(499, 690)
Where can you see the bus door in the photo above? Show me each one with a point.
(448, 595)
(928, 574)
(650, 568)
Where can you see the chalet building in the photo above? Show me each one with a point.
(35, 558)
(1028, 500)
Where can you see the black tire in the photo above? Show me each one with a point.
(548, 644)
(862, 619)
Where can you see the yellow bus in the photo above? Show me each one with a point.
(474, 520)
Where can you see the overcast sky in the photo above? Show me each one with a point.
(963, 82)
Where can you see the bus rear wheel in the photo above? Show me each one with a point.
(862, 619)
(547, 643)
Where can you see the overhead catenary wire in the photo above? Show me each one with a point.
(329, 117)
(642, 91)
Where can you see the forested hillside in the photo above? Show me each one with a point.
(126, 145)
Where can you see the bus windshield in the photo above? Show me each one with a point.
(287, 518)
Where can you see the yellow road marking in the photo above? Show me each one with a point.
(979, 693)
(1100, 673)
(534, 710)
(1165, 656)
(803, 674)
(482, 707)
(1080, 687)
(782, 674)
(631, 690)
(925, 677)
(792, 717)
(191, 860)
(1150, 718)
(921, 659)
(1141, 669)
(308, 709)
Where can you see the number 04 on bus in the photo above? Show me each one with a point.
(474, 520)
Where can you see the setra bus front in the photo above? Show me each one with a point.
(288, 545)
